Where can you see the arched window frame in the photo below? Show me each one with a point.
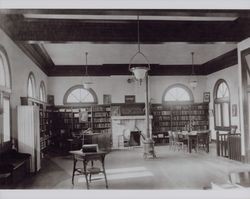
(79, 104)
(220, 102)
(178, 102)
(33, 80)
(5, 91)
(7, 71)
(42, 89)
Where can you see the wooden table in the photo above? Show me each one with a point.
(192, 140)
(85, 158)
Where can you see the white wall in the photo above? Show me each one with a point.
(230, 75)
(20, 66)
(118, 87)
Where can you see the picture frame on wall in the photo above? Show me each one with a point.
(206, 97)
(106, 99)
(234, 110)
(129, 99)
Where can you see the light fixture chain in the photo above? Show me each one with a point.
(192, 53)
(138, 33)
(86, 65)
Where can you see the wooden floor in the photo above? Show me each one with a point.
(126, 169)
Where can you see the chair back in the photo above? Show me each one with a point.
(175, 136)
(171, 137)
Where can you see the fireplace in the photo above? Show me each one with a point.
(135, 138)
(133, 125)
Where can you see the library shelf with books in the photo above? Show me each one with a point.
(178, 117)
(45, 121)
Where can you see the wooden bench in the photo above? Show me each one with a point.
(14, 163)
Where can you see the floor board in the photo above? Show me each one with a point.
(126, 169)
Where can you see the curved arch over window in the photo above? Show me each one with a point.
(5, 73)
(78, 95)
(31, 86)
(5, 89)
(221, 105)
(42, 92)
(177, 93)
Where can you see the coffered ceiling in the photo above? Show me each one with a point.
(57, 39)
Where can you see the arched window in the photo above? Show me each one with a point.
(42, 92)
(177, 93)
(5, 89)
(221, 105)
(31, 86)
(78, 95)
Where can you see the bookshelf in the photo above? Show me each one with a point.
(178, 117)
(101, 118)
(45, 120)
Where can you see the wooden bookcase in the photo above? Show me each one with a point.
(178, 117)
(101, 118)
(45, 120)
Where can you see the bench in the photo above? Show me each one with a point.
(14, 165)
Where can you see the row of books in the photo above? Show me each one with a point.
(102, 125)
(101, 114)
(102, 120)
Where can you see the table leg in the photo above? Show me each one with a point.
(190, 145)
(74, 168)
(85, 173)
(104, 172)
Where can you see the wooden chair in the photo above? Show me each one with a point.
(171, 140)
(177, 144)
(203, 141)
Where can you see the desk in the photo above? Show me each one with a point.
(85, 158)
(195, 138)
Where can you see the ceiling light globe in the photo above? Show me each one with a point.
(139, 72)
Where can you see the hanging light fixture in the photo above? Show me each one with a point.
(86, 82)
(193, 81)
(139, 70)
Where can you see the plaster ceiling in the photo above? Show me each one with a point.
(167, 54)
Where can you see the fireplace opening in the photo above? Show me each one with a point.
(135, 138)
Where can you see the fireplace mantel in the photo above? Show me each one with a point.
(130, 117)
(120, 124)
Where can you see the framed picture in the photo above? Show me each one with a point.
(129, 99)
(234, 110)
(83, 116)
(115, 111)
(206, 97)
(106, 99)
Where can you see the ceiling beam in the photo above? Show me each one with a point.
(221, 62)
(122, 69)
(104, 31)
(135, 12)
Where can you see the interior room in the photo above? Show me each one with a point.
(124, 99)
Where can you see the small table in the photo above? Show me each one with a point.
(192, 140)
(85, 158)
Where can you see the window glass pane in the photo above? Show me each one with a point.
(222, 90)
(42, 92)
(217, 112)
(2, 72)
(225, 110)
(177, 94)
(6, 120)
(80, 95)
(30, 88)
